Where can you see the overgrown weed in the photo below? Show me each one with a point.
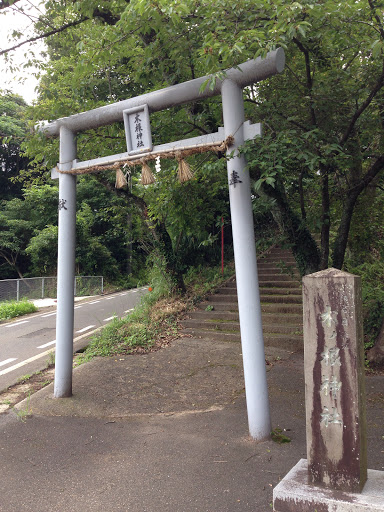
(13, 308)
(155, 322)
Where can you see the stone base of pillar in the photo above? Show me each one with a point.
(294, 494)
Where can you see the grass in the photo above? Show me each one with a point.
(155, 322)
(22, 414)
(24, 378)
(12, 308)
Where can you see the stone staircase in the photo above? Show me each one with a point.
(281, 303)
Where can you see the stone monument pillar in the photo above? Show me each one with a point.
(335, 476)
(334, 380)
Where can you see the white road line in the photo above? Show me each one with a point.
(78, 307)
(22, 363)
(109, 298)
(129, 310)
(3, 363)
(42, 354)
(49, 314)
(94, 302)
(110, 318)
(122, 294)
(47, 344)
(17, 323)
(85, 329)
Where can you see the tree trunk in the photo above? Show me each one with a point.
(325, 220)
(303, 245)
(129, 243)
(172, 261)
(359, 184)
(301, 192)
(341, 241)
(161, 235)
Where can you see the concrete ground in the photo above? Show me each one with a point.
(161, 432)
(47, 302)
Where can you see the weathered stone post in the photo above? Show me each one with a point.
(335, 476)
(334, 380)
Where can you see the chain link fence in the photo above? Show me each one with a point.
(33, 288)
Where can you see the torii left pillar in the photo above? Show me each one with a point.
(65, 266)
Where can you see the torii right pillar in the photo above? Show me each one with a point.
(247, 283)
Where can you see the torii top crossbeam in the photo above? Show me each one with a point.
(245, 74)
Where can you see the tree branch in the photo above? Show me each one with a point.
(377, 18)
(294, 74)
(305, 51)
(105, 15)
(360, 110)
(287, 118)
(197, 127)
(139, 201)
(373, 171)
(4, 5)
(46, 34)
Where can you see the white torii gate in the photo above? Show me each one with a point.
(231, 90)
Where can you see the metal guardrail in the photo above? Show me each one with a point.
(46, 287)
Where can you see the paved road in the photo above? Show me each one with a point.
(26, 343)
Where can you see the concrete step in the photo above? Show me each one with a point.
(222, 297)
(290, 342)
(277, 272)
(219, 306)
(280, 252)
(273, 318)
(279, 290)
(296, 309)
(268, 270)
(234, 327)
(271, 282)
(196, 323)
(278, 260)
(286, 269)
(214, 335)
(271, 307)
(268, 281)
(217, 318)
(230, 316)
(227, 290)
(291, 330)
(276, 318)
(291, 299)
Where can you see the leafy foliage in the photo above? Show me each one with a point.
(373, 298)
(12, 131)
(322, 149)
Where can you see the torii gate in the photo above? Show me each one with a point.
(231, 90)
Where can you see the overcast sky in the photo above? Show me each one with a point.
(11, 80)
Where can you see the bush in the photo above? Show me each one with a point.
(372, 278)
(13, 308)
(155, 321)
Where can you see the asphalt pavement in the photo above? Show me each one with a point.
(161, 432)
(27, 342)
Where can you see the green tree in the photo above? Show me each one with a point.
(15, 231)
(323, 118)
(12, 131)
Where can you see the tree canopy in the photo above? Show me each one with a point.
(321, 155)
(12, 132)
